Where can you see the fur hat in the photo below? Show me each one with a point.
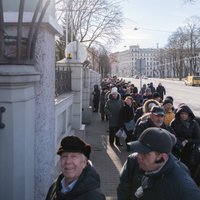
(74, 144)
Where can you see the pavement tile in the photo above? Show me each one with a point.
(107, 160)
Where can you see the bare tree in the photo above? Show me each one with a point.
(192, 30)
(189, 1)
(178, 41)
(93, 22)
(104, 62)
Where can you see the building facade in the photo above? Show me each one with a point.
(135, 61)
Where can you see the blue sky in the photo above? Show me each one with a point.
(155, 20)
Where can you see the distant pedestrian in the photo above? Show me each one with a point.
(151, 86)
(79, 179)
(147, 94)
(142, 90)
(161, 90)
(153, 173)
(96, 98)
(103, 100)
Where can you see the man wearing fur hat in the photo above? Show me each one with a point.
(78, 180)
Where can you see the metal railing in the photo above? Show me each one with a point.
(62, 80)
(17, 49)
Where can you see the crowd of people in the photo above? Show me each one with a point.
(163, 141)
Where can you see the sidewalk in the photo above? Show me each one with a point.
(107, 161)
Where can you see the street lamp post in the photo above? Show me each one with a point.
(67, 25)
(139, 64)
(140, 73)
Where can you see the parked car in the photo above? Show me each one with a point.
(192, 80)
(136, 77)
(144, 77)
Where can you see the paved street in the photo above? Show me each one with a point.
(107, 161)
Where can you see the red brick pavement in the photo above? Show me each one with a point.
(107, 161)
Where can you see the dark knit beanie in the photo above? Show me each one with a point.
(170, 97)
(74, 144)
(156, 95)
(167, 101)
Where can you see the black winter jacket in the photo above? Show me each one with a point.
(172, 182)
(143, 125)
(190, 133)
(126, 114)
(86, 188)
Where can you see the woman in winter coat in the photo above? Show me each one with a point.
(188, 132)
(112, 109)
(127, 122)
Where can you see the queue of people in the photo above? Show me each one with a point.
(163, 141)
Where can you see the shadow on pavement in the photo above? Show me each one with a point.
(107, 160)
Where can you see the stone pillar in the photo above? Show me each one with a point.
(45, 142)
(17, 138)
(86, 88)
(87, 109)
(91, 85)
(30, 106)
(77, 87)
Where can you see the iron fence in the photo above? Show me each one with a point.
(15, 48)
(63, 80)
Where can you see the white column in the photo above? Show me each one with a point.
(17, 138)
(87, 109)
(77, 87)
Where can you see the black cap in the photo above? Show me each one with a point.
(74, 144)
(154, 139)
(157, 110)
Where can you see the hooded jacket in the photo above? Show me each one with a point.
(143, 125)
(86, 188)
(183, 132)
(171, 182)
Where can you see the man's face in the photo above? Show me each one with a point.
(157, 119)
(72, 165)
(147, 161)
